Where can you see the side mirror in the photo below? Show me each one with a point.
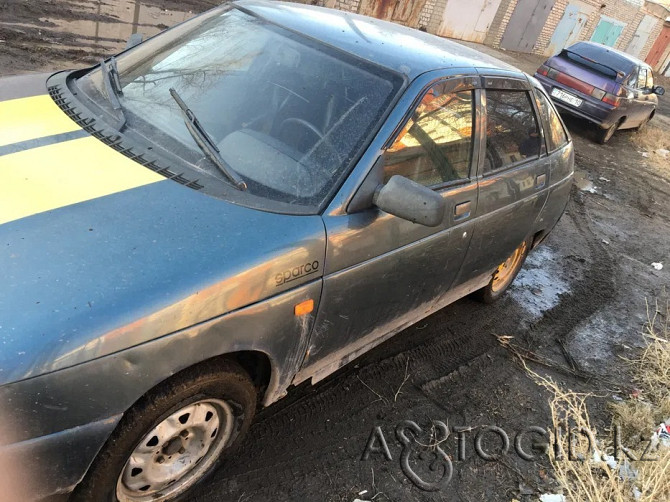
(410, 201)
(135, 39)
(658, 90)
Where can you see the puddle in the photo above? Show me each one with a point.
(538, 286)
(584, 183)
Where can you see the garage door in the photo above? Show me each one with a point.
(525, 25)
(468, 19)
(570, 27)
(641, 36)
(608, 31)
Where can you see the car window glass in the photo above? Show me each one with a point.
(288, 114)
(650, 80)
(512, 133)
(435, 146)
(598, 58)
(554, 132)
(642, 78)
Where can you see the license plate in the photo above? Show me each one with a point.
(567, 97)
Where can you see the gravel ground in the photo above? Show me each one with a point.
(579, 304)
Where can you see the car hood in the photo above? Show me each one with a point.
(98, 253)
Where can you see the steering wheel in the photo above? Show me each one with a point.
(307, 125)
(322, 138)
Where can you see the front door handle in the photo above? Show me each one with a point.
(540, 181)
(462, 210)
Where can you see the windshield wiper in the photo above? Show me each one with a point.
(110, 76)
(206, 144)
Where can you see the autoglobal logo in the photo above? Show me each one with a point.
(296, 272)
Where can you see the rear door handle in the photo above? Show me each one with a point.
(462, 210)
(540, 181)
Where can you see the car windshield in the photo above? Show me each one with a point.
(288, 114)
(598, 59)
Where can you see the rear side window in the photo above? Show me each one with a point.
(435, 146)
(554, 132)
(512, 134)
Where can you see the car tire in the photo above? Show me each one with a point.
(604, 135)
(173, 437)
(504, 275)
(644, 122)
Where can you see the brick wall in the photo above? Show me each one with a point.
(348, 5)
(429, 10)
(499, 23)
(630, 12)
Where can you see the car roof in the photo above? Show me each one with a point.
(405, 50)
(605, 48)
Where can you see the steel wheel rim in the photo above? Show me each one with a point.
(176, 453)
(505, 271)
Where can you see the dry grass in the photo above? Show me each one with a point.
(652, 369)
(651, 139)
(592, 479)
(651, 372)
(636, 418)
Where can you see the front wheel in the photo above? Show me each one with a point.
(173, 437)
(504, 275)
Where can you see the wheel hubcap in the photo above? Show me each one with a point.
(503, 275)
(176, 453)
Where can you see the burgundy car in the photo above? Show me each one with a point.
(607, 87)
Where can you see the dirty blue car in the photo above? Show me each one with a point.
(243, 203)
(607, 87)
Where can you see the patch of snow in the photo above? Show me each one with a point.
(657, 265)
(552, 497)
(538, 287)
(583, 183)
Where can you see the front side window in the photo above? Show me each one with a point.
(512, 134)
(555, 134)
(650, 79)
(288, 114)
(435, 146)
(642, 78)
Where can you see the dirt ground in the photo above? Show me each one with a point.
(578, 306)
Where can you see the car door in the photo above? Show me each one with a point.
(382, 272)
(645, 99)
(513, 175)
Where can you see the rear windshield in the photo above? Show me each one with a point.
(288, 114)
(599, 59)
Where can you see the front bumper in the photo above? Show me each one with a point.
(591, 109)
(54, 464)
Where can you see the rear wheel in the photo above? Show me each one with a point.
(644, 122)
(504, 274)
(173, 437)
(604, 135)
